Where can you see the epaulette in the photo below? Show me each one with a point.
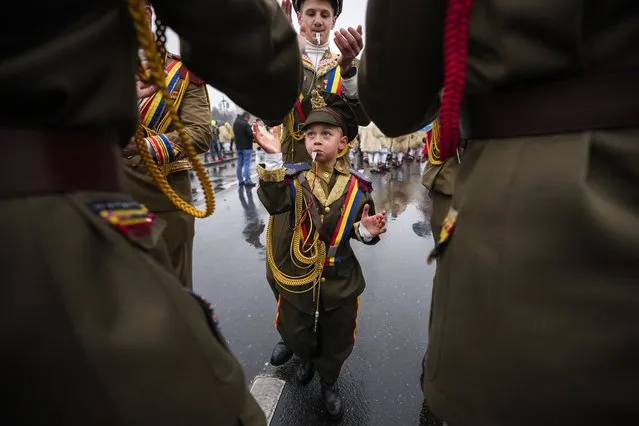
(364, 181)
(293, 169)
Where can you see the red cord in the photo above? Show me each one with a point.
(455, 65)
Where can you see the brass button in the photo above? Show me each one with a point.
(323, 280)
(327, 174)
(327, 210)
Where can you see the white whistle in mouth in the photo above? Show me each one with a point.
(313, 155)
(317, 38)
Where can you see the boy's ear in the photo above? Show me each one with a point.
(343, 142)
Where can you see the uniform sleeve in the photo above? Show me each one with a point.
(274, 190)
(355, 232)
(195, 114)
(400, 76)
(250, 53)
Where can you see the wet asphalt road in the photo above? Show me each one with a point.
(380, 381)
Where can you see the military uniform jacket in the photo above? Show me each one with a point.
(327, 76)
(339, 195)
(190, 97)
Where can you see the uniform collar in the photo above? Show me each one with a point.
(326, 172)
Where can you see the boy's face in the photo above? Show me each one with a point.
(325, 139)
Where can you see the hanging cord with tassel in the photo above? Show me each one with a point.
(155, 52)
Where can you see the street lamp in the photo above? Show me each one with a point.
(224, 105)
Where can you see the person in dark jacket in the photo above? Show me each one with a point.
(244, 147)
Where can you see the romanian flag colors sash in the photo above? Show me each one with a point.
(334, 81)
(345, 222)
(153, 110)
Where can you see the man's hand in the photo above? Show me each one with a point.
(350, 43)
(144, 90)
(131, 149)
(301, 38)
(270, 143)
(375, 225)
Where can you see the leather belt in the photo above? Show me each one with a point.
(41, 162)
(604, 99)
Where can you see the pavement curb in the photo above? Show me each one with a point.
(267, 391)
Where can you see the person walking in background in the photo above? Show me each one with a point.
(226, 135)
(216, 147)
(244, 146)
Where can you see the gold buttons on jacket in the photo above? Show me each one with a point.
(323, 280)
(327, 210)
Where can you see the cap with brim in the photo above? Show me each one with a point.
(330, 109)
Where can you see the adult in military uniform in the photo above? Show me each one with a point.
(325, 71)
(95, 330)
(320, 278)
(190, 98)
(537, 318)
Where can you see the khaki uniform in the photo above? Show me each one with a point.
(341, 284)
(96, 331)
(537, 314)
(191, 99)
(325, 77)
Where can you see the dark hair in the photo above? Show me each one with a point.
(246, 114)
(333, 4)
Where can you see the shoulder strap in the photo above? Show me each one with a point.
(308, 195)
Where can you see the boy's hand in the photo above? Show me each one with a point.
(270, 143)
(375, 225)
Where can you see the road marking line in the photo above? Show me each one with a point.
(267, 391)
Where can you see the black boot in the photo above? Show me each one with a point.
(281, 354)
(304, 373)
(332, 401)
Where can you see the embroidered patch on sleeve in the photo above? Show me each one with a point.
(129, 217)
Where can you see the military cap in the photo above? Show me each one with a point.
(329, 108)
(337, 5)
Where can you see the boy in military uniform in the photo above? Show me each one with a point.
(325, 204)
(323, 70)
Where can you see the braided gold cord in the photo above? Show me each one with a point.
(433, 148)
(156, 76)
(314, 262)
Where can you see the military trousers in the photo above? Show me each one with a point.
(178, 236)
(96, 331)
(330, 346)
(536, 312)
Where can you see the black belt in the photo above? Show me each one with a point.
(605, 99)
(40, 162)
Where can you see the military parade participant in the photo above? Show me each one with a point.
(537, 314)
(190, 98)
(95, 330)
(323, 70)
(326, 204)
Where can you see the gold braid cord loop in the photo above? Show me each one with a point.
(156, 76)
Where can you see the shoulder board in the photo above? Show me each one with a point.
(365, 182)
(293, 169)
(192, 77)
(183, 71)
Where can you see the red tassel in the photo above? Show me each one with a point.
(455, 67)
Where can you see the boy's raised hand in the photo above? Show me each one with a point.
(375, 225)
(270, 143)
